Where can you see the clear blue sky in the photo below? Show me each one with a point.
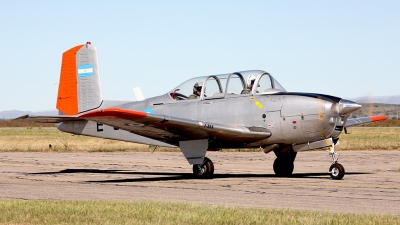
(341, 48)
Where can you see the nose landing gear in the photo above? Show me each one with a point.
(336, 170)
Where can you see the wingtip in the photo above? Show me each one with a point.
(378, 118)
(21, 117)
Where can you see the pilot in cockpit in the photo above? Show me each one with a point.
(249, 84)
(196, 90)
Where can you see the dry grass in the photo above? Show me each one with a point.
(38, 140)
(146, 212)
(9, 123)
(361, 138)
(385, 123)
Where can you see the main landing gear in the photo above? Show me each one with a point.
(336, 170)
(284, 162)
(205, 170)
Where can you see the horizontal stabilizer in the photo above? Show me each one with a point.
(364, 120)
(46, 119)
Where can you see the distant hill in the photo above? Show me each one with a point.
(11, 114)
(378, 105)
(392, 111)
(394, 99)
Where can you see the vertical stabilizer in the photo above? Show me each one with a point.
(79, 88)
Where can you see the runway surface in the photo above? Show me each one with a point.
(371, 183)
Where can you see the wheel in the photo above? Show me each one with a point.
(283, 167)
(336, 171)
(205, 170)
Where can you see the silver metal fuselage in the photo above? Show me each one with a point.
(251, 101)
(292, 118)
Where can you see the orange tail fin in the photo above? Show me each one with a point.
(79, 88)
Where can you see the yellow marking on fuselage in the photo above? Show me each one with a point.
(258, 104)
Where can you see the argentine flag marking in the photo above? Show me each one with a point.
(85, 70)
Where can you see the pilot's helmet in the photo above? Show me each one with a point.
(197, 87)
(250, 81)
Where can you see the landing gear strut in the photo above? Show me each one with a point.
(205, 170)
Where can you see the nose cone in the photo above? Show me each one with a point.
(347, 106)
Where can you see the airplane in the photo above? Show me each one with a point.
(246, 109)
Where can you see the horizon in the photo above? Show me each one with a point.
(352, 99)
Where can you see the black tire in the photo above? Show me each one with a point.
(205, 170)
(336, 171)
(283, 167)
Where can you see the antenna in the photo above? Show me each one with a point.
(138, 94)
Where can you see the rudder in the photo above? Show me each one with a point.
(79, 89)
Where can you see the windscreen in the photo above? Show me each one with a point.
(278, 86)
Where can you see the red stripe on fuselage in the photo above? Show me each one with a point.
(115, 113)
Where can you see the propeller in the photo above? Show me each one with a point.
(371, 107)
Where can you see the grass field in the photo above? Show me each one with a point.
(370, 138)
(146, 212)
(38, 140)
(385, 123)
(9, 123)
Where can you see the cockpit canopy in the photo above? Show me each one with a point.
(251, 82)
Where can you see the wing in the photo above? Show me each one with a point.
(363, 120)
(173, 129)
(46, 119)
